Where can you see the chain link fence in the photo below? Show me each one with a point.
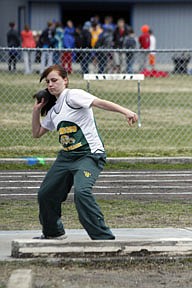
(163, 100)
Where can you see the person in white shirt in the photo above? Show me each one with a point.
(152, 58)
(81, 158)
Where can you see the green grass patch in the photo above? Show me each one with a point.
(108, 166)
(21, 215)
(165, 116)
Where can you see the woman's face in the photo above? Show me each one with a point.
(55, 83)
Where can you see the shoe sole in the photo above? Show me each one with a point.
(62, 237)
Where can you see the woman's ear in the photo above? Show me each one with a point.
(66, 81)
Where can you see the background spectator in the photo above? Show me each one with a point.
(130, 43)
(144, 42)
(58, 42)
(108, 22)
(36, 36)
(118, 39)
(68, 42)
(105, 41)
(83, 40)
(46, 40)
(13, 40)
(152, 59)
(28, 41)
(95, 30)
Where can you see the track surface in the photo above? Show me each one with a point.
(111, 184)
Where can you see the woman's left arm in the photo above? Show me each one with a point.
(111, 106)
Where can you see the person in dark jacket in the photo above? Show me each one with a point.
(46, 40)
(119, 35)
(105, 41)
(130, 43)
(83, 40)
(13, 40)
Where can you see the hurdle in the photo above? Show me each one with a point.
(130, 77)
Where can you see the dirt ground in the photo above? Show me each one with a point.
(174, 274)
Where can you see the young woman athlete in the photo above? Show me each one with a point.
(80, 160)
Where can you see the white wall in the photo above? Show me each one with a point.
(8, 13)
(171, 23)
(41, 13)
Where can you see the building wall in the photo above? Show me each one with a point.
(40, 14)
(171, 23)
(9, 11)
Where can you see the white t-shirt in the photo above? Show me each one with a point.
(73, 117)
(152, 43)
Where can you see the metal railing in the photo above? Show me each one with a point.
(165, 99)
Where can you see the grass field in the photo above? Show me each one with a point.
(119, 212)
(23, 214)
(166, 119)
(165, 116)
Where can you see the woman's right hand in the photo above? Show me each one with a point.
(39, 105)
(37, 129)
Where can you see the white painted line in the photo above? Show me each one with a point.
(148, 171)
(10, 176)
(16, 188)
(103, 193)
(144, 181)
(147, 175)
(111, 181)
(18, 194)
(153, 173)
(171, 172)
(110, 187)
(181, 175)
(124, 176)
(19, 181)
(17, 176)
(144, 193)
(21, 172)
(162, 173)
(145, 187)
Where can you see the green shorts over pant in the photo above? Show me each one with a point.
(81, 171)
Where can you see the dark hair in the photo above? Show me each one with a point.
(11, 24)
(51, 99)
(26, 27)
(58, 68)
(49, 24)
(150, 31)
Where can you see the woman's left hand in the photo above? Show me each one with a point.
(131, 118)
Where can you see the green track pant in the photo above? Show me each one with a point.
(81, 171)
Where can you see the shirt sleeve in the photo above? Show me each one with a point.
(78, 98)
(47, 122)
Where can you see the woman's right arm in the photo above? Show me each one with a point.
(37, 129)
